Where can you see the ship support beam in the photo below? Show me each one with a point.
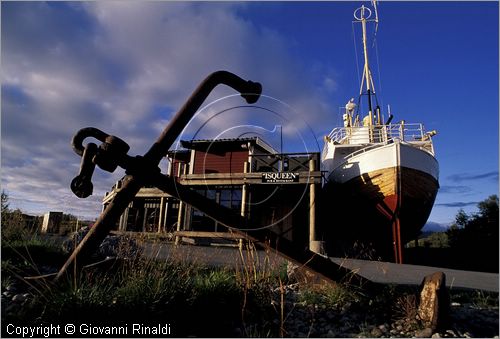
(396, 237)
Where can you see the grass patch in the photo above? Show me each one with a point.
(330, 296)
(249, 300)
(28, 257)
(477, 298)
(195, 300)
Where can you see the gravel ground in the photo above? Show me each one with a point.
(302, 317)
(349, 321)
(345, 320)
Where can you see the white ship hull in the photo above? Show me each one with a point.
(384, 191)
(396, 154)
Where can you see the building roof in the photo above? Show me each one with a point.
(182, 155)
(204, 143)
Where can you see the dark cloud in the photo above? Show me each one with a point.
(472, 176)
(458, 204)
(454, 189)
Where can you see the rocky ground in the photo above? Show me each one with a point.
(304, 312)
(15, 294)
(303, 319)
(469, 322)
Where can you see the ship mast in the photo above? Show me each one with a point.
(363, 15)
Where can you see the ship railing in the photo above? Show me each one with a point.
(413, 134)
(376, 136)
(377, 133)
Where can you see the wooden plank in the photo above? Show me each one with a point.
(143, 193)
(154, 192)
(242, 178)
(200, 234)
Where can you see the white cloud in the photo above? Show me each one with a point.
(126, 67)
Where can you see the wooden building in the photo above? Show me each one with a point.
(246, 174)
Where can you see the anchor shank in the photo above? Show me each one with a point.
(103, 225)
(249, 90)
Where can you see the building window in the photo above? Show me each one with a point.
(231, 197)
(228, 196)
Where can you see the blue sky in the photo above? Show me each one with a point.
(126, 67)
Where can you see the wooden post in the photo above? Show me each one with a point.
(144, 219)
(217, 200)
(161, 219)
(168, 209)
(244, 193)
(188, 217)
(181, 205)
(244, 200)
(124, 219)
(179, 219)
(312, 208)
(314, 244)
(121, 222)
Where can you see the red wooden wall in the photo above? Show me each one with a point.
(220, 162)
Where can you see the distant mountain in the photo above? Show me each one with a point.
(431, 227)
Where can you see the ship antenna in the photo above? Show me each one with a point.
(363, 15)
(374, 4)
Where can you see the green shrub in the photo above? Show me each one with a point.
(25, 256)
(332, 296)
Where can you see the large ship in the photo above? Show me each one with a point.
(382, 177)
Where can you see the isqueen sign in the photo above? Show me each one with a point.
(280, 177)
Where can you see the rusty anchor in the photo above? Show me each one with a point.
(140, 170)
(144, 170)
